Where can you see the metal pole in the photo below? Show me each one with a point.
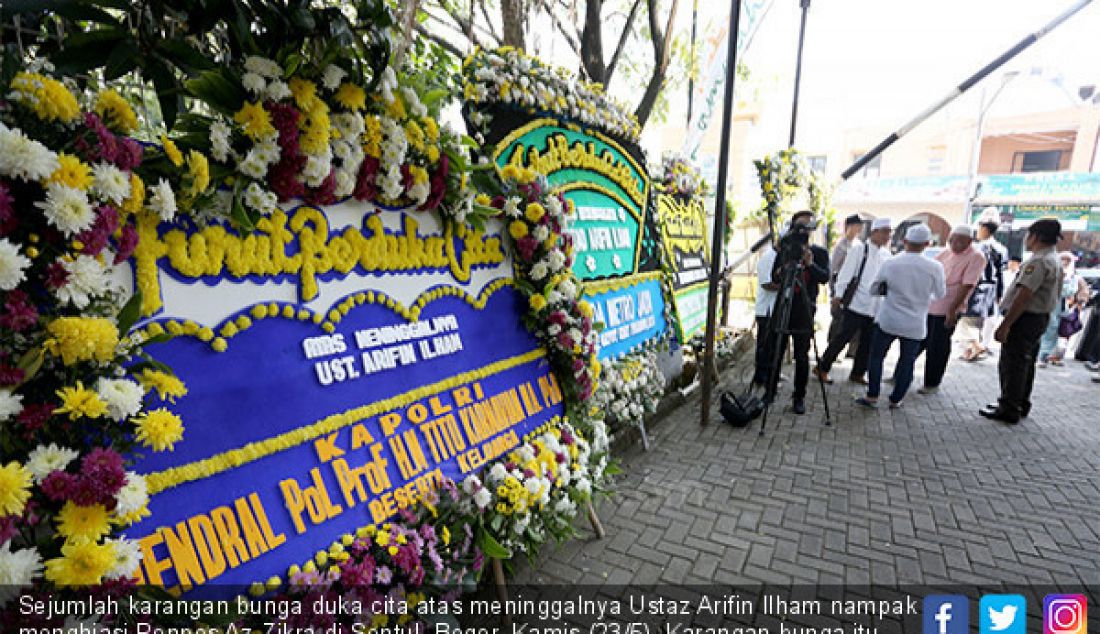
(692, 69)
(963, 87)
(720, 207)
(976, 148)
(798, 70)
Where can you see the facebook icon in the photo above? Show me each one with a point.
(946, 614)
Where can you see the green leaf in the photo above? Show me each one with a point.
(168, 93)
(130, 312)
(123, 59)
(218, 90)
(185, 56)
(31, 362)
(491, 547)
(612, 469)
(82, 52)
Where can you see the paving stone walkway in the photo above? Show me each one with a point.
(928, 494)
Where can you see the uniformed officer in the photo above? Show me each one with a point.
(1027, 306)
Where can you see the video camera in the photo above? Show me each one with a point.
(791, 244)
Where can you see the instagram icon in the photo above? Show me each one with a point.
(1065, 614)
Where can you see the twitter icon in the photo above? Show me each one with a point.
(1002, 614)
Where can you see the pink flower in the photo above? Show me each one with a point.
(8, 528)
(11, 375)
(527, 246)
(96, 237)
(566, 341)
(439, 184)
(558, 318)
(56, 275)
(130, 155)
(127, 243)
(34, 416)
(365, 187)
(101, 477)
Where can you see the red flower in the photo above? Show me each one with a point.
(127, 242)
(11, 375)
(34, 416)
(58, 485)
(129, 155)
(439, 185)
(8, 220)
(527, 246)
(325, 194)
(283, 177)
(56, 275)
(19, 314)
(96, 237)
(365, 187)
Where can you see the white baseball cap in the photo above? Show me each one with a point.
(880, 223)
(919, 234)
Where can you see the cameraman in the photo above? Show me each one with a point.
(811, 262)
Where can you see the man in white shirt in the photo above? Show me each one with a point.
(853, 227)
(854, 301)
(909, 281)
(765, 302)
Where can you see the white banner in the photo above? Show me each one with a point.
(708, 93)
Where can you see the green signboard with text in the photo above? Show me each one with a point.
(683, 227)
(605, 183)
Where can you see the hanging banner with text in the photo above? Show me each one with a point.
(632, 311)
(606, 183)
(335, 374)
(683, 228)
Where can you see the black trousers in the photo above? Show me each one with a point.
(802, 320)
(850, 324)
(937, 345)
(1016, 367)
(765, 345)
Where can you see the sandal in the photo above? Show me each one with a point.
(897, 405)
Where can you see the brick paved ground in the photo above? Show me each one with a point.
(931, 493)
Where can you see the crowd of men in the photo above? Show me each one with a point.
(879, 298)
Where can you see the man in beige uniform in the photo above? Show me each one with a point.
(1027, 306)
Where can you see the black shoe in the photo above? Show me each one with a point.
(799, 406)
(1001, 415)
(1024, 411)
(992, 407)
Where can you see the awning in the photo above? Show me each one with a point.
(1071, 197)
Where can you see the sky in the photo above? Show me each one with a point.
(877, 63)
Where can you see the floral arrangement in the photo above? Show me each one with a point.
(534, 494)
(76, 393)
(780, 175)
(292, 128)
(561, 320)
(630, 389)
(680, 177)
(512, 78)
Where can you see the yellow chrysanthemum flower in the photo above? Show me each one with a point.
(171, 151)
(77, 339)
(304, 91)
(116, 111)
(517, 229)
(15, 488)
(535, 212)
(71, 172)
(255, 120)
(159, 429)
(136, 201)
(79, 402)
(198, 168)
(48, 98)
(88, 522)
(351, 97)
(168, 387)
(538, 302)
(82, 563)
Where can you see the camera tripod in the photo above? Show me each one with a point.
(791, 296)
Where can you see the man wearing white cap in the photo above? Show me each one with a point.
(909, 281)
(963, 266)
(856, 301)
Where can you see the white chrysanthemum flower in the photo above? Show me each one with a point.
(24, 158)
(482, 498)
(162, 200)
(87, 278)
(45, 459)
(345, 183)
(10, 404)
(122, 396)
(13, 265)
(568, 290)
(67, 209)
(127, 558)
(278, 90)
(539, 271)
(317, 169)
(332, 76)
(498, 472)
(261, 200)
(219, 141)
(111, 183)
(262, 66)
(393, 185)
(388, 84)
(133, 496)
(470, 484)
(18, 569)
(254, 83)
(541, 233)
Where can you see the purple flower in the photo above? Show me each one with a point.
(8, 220)
(383, 575)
